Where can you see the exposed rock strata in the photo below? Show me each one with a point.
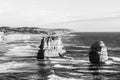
(51, 46)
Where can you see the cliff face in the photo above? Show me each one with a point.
(1, 36)
(98, 52)
(50, 46)
(9, 34)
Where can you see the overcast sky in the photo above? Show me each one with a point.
(90, 15)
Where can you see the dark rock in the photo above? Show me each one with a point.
(98, 52)
(40, 54)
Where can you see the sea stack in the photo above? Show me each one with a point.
(51, 46)
(98, 53)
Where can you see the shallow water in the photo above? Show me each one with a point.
(18, 60)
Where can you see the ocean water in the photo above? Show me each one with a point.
(18, 59)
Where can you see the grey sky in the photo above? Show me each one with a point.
(90, 15)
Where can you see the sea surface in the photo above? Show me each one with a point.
(18, 59)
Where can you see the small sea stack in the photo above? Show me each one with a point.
(98, 53)
(50, 46)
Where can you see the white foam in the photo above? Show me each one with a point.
(109, 71)
(82, 46)
(61, 66)
(21, 51)
(80, 74)
(79, 50)
(115, 58)
(59, 59)
(55, 77)
(114, 49)
(80, 61)
(72, 35)
(109, 62)
(20, 48)
(10, 66)
(101, 71)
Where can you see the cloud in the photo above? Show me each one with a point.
(83, 15)
(107, 24)
(31, 16)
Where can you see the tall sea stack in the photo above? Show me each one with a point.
(98, 53)
(51, 46)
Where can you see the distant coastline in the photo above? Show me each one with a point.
(32, 30)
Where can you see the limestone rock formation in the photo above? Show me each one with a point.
(98, 52)
(1, 36)
(51, 46)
